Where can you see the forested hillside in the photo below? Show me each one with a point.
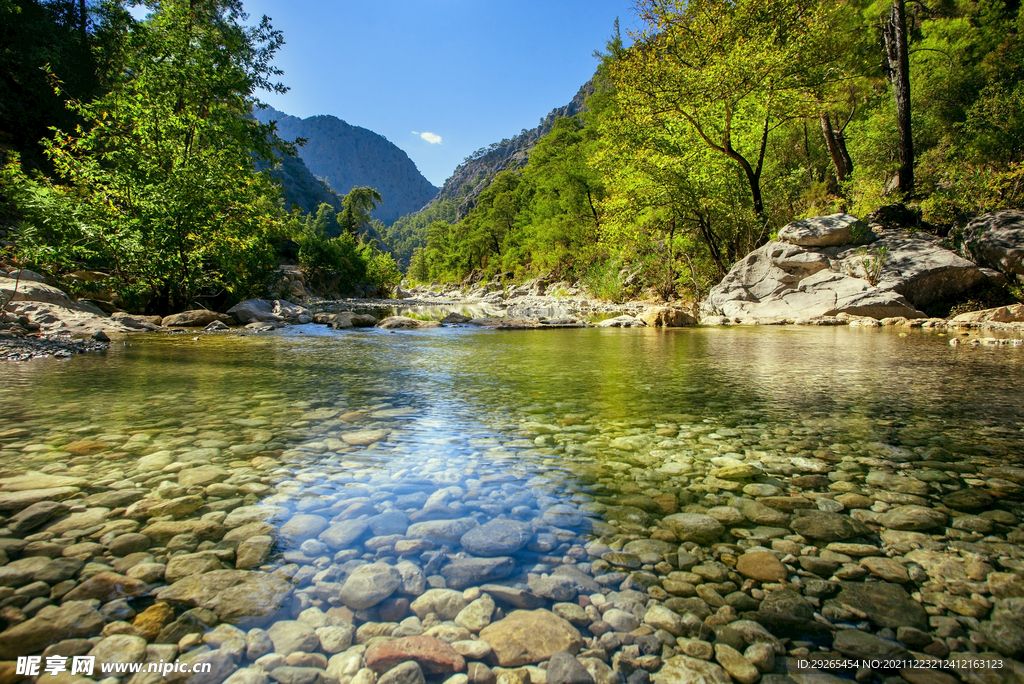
(131, 160)
(725, 120)
(346, 157)
(474, 175)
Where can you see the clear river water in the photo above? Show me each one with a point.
(664, 500)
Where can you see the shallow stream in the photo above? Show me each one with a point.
(362, 469)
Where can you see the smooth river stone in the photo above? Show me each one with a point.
(885, 604)
(363, 437)
(694, 527)
(499, 537)
(827, 526)
(15, 501)
(527, 637)
(433, 655)
(762, 566)
(34, 480)
(244, 598)
(914, 518)
(683, 669)
(70, 620)
(368, 585)
(467, 572)
(301, 527)
(441, 531)
(342, 535)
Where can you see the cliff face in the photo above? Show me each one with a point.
(348, 156)
(299, 186)
(476, 173)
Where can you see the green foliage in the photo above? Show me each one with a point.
(343, 263)
(357, 205)
(727, 119)
(871, 265)
(163, 166)
(408, 233)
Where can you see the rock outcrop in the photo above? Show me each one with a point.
(52, 310)
(996, 240)
(817, 268)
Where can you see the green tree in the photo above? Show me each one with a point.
(358, 204)
(164, 163)
(732, 72)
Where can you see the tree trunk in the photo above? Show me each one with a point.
(834, 151)
(899, 74)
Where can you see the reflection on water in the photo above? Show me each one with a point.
(354, 447)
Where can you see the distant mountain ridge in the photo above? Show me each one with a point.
(474, 175)
(348, 156)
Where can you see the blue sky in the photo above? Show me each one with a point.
(468, 73)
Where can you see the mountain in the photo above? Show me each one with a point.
(472, 177)
(348, 156)
(300, 186)
(478, 170)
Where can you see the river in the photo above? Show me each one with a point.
(663, 500)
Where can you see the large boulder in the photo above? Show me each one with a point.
(1014, 313)
(780, 280)
(996, 240)
(667, 317)
(917, 268)
(254, 310)
(198, 318)
(405, 323)
(292, 312)
(809, 273)
(54, 310)
(826, 231)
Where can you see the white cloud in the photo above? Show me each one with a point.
(432, 138)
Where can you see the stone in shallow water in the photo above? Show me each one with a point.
(35, 480)
(885, 604)
(695, 527)
(406, 673)
(368, 585)
(237, 596)
(342, 535)
(970, 499)
(915, 518)
(499, 537)
(858, 644)
(434, 656)
(107, 586)
(120, 648)
(446, 603)
(683, 669)
(828, 527)
(468, 572)
(563, 668)
(888, 569)
(70, 620)
(35, 515)
(363, 437)
(514, 596)
(527, 637)
(1004, 631)
(290, 636)
(301, 527)
(441, 531)
(15, 501)
(762, 566)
